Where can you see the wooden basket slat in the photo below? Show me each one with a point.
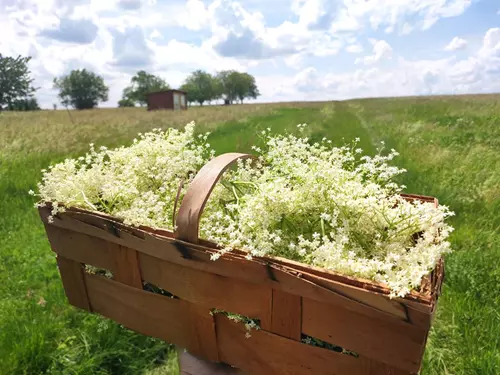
(208, 289)
(81, 247)
(203, 332)
(269, 354)
(363, 284)
(399, 345)
(408, 311)
(72, 275)
(120, 260)
(287, 315)
(359, 296)
(144, 312)
(126, 268)
(379, 368)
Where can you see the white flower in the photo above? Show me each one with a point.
(331, 212)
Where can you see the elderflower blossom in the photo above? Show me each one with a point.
(325, 206)
(138, 183)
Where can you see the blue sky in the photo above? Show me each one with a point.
(296, 49)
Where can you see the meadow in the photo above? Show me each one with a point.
(450, 146)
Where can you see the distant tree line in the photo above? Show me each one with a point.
(201, 87)
(229, 85)
(83, 89)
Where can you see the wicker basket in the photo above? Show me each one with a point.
(291, 300)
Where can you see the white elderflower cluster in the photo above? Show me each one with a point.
(138, 183)
(326, 206)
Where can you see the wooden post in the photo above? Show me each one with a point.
(191, 365)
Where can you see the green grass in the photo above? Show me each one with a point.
(450, 145)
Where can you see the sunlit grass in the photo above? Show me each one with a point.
(450, 145)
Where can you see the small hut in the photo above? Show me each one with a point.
(167, 99)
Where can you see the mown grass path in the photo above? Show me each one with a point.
(450, 147)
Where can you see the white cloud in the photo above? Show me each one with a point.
(456, 44)
(237, 32)
(491, 40)
(130, 49)
(410, 78)
(309, 11)
(478, 73)
(384, 14)
(294, 61)
(196, 16)
(381, 50)
(130, 4)
(82, 31)
(354, 48)
(155, 34)
(187, 57)
(345, 22)
(406, 29)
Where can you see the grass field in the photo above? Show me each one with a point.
(450, 145)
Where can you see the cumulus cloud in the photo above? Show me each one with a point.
(238, 32)
(306, 80)
(491, 40)
(247, 45)
(186, 57)
(80, 31)
(354, 48)
(406, 29)
(155, 34)
(478, 73)
(130, 4)
(381, 50)
(377, 14)
(456, 44)
(130, 49)
(196, 16)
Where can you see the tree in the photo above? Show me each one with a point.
(81, 89)
(201, 87)
(217, 87)
(142, 84)
(234, 85)
(15, 80)
(225, 79)
(190, 90)
(27, 104)
(126, 102)
(245, 86)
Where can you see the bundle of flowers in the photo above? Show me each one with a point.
(331, 207)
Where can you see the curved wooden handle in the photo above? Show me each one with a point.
(188, 218)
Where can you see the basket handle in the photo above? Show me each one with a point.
(193, 203)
